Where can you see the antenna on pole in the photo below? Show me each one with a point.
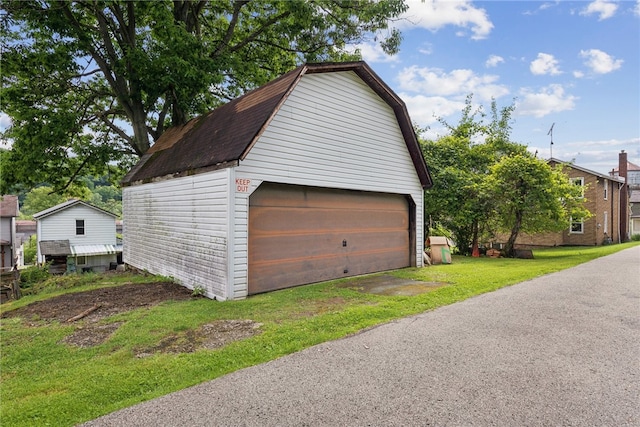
(550, 133)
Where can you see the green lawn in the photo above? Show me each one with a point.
(46, 382)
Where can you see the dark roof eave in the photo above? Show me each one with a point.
(190, 172)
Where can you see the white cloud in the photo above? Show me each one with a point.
(550, 99)
(493, 61)
(599, 155)
(636, 10)
(606, 9)
(545, 64)
(425, 110)
(372, 53)
(427, 48)
(457, 83)
(436, 14)
(600, 62)
(578, 74)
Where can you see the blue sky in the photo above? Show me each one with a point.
(572, 63)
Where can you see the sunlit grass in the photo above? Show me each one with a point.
(46, 382)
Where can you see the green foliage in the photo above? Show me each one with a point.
(47, 382)
(198, 291)
(90, 83)
(530, 196)
(96, 191)
(39, 199)
(459, 164)
(635, 237)
(31, 250)
(34, 275)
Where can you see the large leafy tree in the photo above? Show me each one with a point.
(531, 197)
(89, 82)
(460, 163)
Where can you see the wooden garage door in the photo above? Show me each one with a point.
(300, 235)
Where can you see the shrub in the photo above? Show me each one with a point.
(30, 249)
(635, 237)
(32, 275)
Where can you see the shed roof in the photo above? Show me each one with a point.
(225, 135)
(92, 250)
(55, 247)
(8, 206)
(66, 205)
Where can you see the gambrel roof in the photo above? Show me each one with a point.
(225, 136)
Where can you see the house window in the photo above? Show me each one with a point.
(577, 226)
(81, 260)
(79, 227)
(580, 182)
(606, 189)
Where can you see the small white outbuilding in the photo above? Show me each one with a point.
(77, 236)
(317, 175)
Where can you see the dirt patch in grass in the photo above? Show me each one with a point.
(86, 310)
(91, 334)
(210, 336)
(390, 285)
(106, 301)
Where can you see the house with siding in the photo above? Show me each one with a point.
(8, 240)
(317, 175)
(603, 194)
(77, 236)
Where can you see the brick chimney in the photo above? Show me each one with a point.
(624, 197)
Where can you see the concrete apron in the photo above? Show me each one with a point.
(390, 285)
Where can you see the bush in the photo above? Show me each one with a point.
(635, 237)
(30, 249)
(32, 275)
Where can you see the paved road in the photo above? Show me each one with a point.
(559, 350)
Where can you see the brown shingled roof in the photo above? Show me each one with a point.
(226, 135)
(8, 206)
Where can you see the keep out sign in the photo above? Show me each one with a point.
(242, 185)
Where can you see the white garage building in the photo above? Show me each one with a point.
(317, 175)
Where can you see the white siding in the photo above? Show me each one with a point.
(179, 228)
(99, 228)
(7, 227)
(333, 131)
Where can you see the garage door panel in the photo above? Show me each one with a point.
(292, 220)
(269, 276)
(300, 246)
(371, 261)
(300, 235)
(309, 197)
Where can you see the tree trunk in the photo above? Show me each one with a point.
(509, 249)
(140, 132)
(475, 252)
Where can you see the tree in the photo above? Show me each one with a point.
(90, 82)
(41, 198)
(459, 164)
(531, 197)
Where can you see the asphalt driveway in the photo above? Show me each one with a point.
(559, 350)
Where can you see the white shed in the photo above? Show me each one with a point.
(76, 235)
(317, 175)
